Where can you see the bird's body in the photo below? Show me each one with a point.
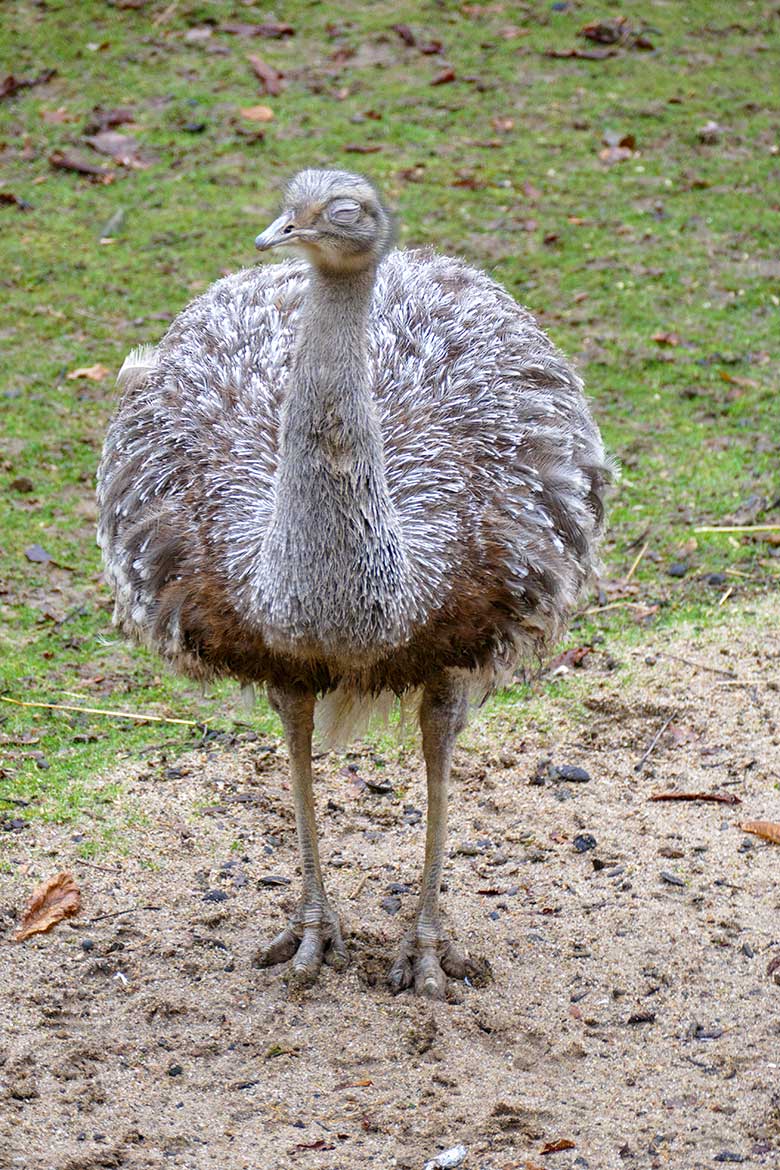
(350, 478)
(476, 550)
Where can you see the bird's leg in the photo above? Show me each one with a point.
(427, 955)
(314, 933)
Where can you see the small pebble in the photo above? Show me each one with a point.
(671, 879)
(273, 879)
(398, 888)
(87, 944)
(584, 842)
(175, 1070)
(563, 793)
(677, 569)
(716, 578)
(447, 1159)
(215, 896)
(746, 950)
(391, 904)
(728, 1156)
(468, 849)
(572, 773)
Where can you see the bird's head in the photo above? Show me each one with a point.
(335, 218)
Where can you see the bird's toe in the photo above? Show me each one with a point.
(279, 950)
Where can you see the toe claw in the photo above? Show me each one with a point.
(453, 963)
(279, 950)
(429, 978)
(401, 974)
(336, 954)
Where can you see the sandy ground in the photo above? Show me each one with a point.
(630, 1013)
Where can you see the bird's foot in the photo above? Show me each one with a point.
(425, 959)
(312, 937)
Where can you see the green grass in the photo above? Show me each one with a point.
(502, 165)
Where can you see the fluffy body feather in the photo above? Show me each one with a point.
(459, 538)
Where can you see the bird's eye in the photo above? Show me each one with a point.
(288, 229)
(344, 211)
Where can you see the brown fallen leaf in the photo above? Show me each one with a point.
(11, 85)
(363, 148)
(270, 77)
(101, 119)
(271, 30)
(53, 900)
(257, 113)
(406, 34)
(714, 797)
(581, 54)
(556, 1147)
(68, 161)
(669, 339)
(95, 373)
(15, 200)
(615, 154)
(122, 148)
(768, 830)
(444, 76)
(58, 117)
(615, 32)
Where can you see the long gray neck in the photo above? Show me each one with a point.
(337, 579)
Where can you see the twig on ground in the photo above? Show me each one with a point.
(611, 605)
(699, 665)
(119, 913)
(738, 528)
(635, 564)
(715, 797)
(726, 595)
(104, 711)
(638, 767)
(94, 865)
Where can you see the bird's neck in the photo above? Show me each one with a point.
(338, 576)
(329, 406)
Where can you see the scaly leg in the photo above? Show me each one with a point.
(427, 955)
(314, 933)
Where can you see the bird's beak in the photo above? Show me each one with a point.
(281, 231)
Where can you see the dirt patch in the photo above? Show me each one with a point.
(630, 1011)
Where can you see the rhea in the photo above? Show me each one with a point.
(360, 473)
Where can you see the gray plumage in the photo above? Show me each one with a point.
(350, 474)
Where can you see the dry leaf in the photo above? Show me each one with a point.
(556, 1147)
(272, 30)
(270, 77)
(122, 148)
(10, 85)
(444, 77)
(769, 830)
(257, 113)
(70, 161)
(95, 373)
(662, 338)
(53, 900)
(58, 116)
(406, 34)
(581, 54)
